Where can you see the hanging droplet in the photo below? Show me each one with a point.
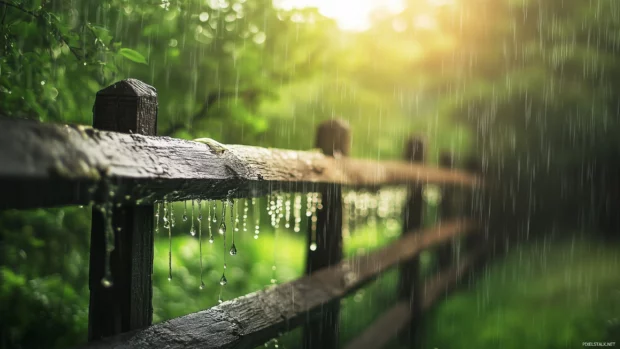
(222, 229)
(313, 246)
(223, 280)
(172, 220)
(200, 248)
(106, 282)
(192, 229)
(297, 212)
(214, 210)
(245, 215)
(234, 220)
(199, 210)
(202, 285)
(209, 223)
(287, 211)
(308, 204)
(256, 214)
(165, 217)
(185, 211)
(157, 210)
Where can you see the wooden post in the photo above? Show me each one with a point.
(333, 138)
(128, 106)
(474, 205)
(445, 252)
(410, 285)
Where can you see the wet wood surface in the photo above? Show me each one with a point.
(253, 319)
(52, 165)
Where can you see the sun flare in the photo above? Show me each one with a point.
(349, 14)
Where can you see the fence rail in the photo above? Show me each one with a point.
(39, 159)
(121, 161)
(249, 321)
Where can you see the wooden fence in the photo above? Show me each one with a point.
(121, 162)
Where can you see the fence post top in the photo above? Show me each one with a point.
(333, 137)
(129, 87)
(446, 159)
(414, 149)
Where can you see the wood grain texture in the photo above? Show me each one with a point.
(398, 318)
(52, 165)
(253, 319)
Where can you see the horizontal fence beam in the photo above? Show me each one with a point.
(50, 165)
(397, 318)
(253, 319)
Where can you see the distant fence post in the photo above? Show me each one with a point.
(474, 206)
(128, 106)
(410, 285)
(446, 252)
(333, 138)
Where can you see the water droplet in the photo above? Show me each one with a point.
(192, 231)
(211, 240)
(233, 250)
(184, 211)
(157, 209)
(308, 204)
(202, 285)
(106, 281)
(287, 211)
(214, 210)
(223, 280)
(297, 212)
(222, 228)
(313, 246)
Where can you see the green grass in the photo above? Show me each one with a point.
(543, 295)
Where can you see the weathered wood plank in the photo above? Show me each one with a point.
(52, 165)
(251, 320)
(398, 318)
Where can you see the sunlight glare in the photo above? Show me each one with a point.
(349, 14)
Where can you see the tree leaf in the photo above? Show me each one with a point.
(132, 55)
